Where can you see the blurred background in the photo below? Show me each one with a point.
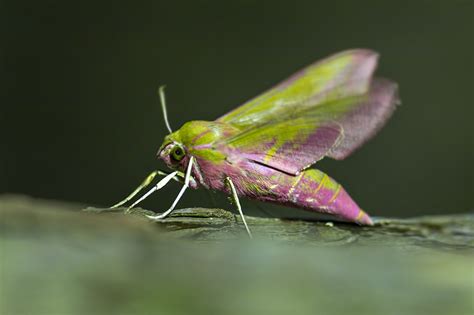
(80, 119)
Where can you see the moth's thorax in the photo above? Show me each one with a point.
(196, 138)
(199, 132)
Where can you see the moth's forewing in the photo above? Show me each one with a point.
(341, 75)
(288, 145)
(328, 109)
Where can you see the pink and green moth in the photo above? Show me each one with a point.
(263, 149)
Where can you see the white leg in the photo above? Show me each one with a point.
(235, 197)
(187, 178)
(158, 186)
(147, 181)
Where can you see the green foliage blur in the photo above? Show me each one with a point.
(80, 118)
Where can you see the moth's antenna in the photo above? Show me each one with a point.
(161, 92)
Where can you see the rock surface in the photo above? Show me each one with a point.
(59, 259)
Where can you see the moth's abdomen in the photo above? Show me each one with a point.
(316, 191)
(310, 190)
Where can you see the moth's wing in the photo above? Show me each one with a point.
(288, 146)
(362, 119)
(333, 129)
(339, 76)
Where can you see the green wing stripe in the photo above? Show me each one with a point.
(334, 129)
(342, 75)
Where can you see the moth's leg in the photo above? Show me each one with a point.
(147, 181)
(187, 179)
(158, 186)
(235, 198)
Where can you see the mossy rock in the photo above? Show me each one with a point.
(59, 259)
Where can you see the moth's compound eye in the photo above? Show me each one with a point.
(177, 153)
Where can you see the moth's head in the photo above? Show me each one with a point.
(174, 154)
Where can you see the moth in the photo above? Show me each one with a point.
(263, 149)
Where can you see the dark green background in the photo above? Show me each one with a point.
(80, 118)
